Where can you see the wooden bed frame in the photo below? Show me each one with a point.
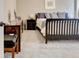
(72, 29)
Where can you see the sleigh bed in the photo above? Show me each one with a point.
(58, 28)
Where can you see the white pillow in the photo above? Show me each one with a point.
(48, 15)
(54, 15)
(61, 14)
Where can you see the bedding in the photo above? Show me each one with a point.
(62, 15)
(41, 24)
(53, 15)
(41, 20)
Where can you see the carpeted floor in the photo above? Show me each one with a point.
(33, 46)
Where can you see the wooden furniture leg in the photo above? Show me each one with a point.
(13, 52)
(17, 50)
(46, 41)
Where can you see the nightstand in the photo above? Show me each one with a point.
(31, 24)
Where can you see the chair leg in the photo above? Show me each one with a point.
(17, 48)
(13, 52)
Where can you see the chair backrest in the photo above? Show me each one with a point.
(16, 17)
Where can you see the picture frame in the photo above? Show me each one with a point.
(49, 4)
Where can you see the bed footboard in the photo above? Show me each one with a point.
(62, 29)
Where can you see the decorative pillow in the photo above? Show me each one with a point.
(48, 15)
(66, 16)
(61, 15)
(40, 15)
(54, 15)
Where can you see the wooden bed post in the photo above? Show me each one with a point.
(46, 41)
(46, 32)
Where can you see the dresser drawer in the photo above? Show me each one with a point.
(9, 30)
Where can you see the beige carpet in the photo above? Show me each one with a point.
(33, 46)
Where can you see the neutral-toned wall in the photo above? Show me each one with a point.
(77, 10)
(10, 6)
(1, 29)
(1, 42)
(27, 7)
(2, 10)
